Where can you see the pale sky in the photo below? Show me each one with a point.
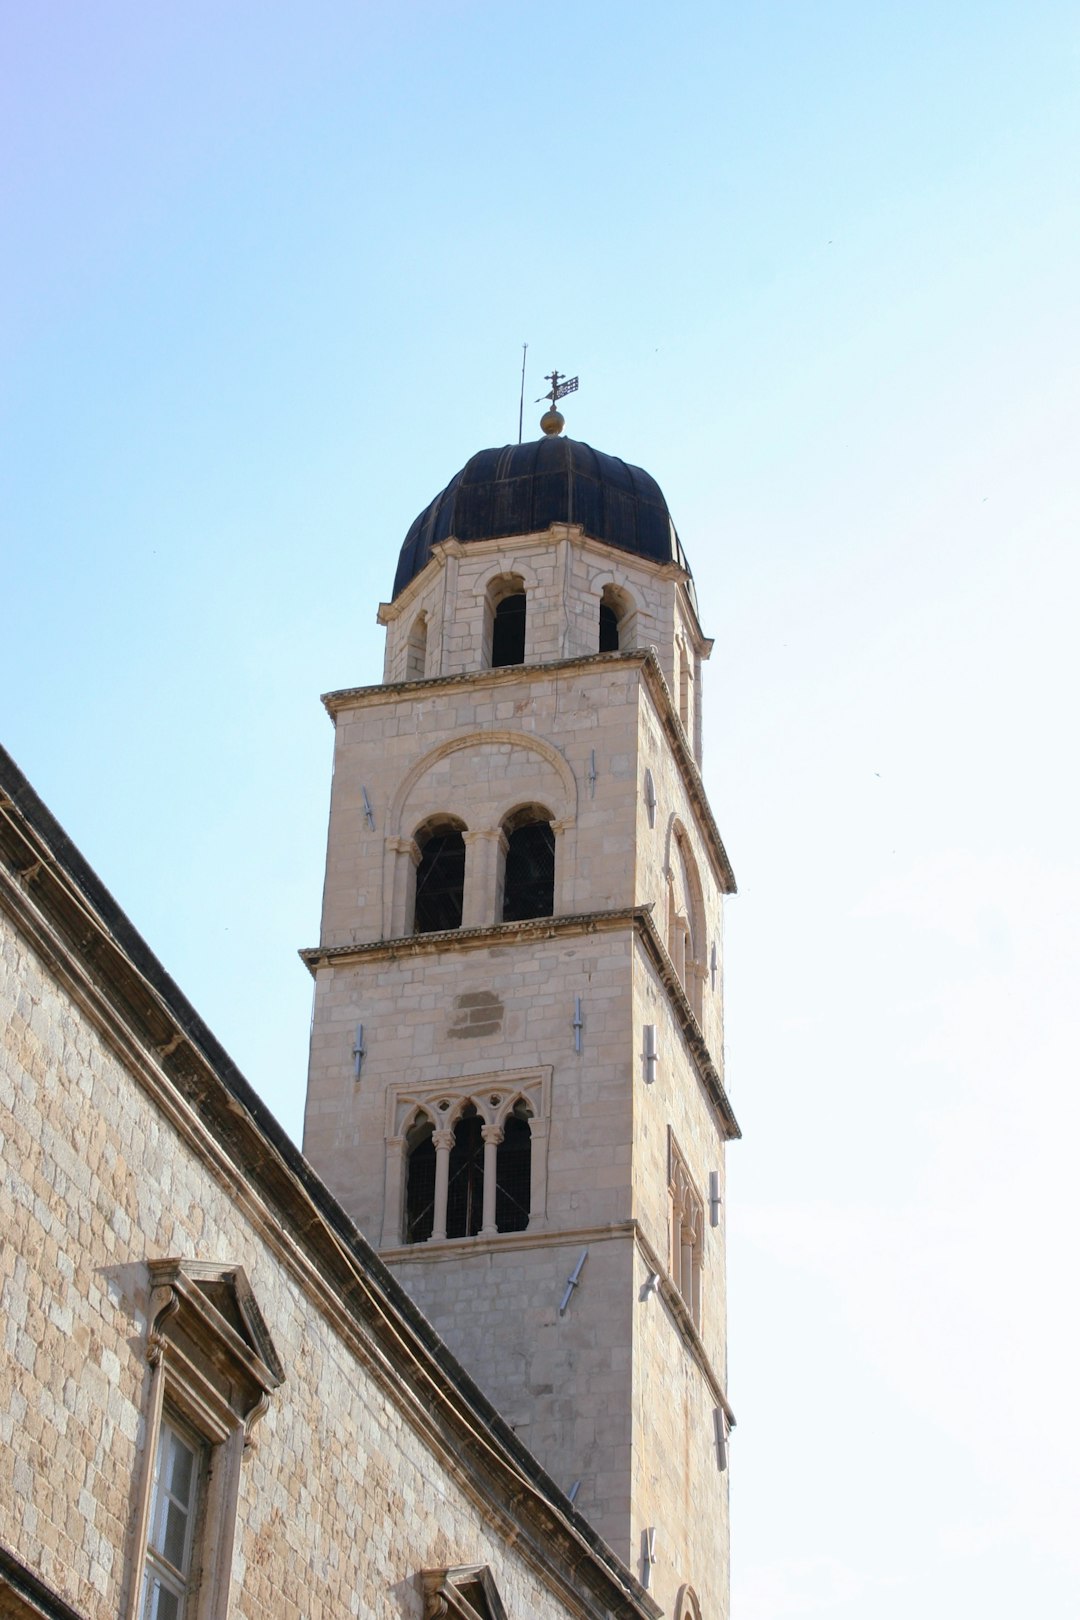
(269, 272)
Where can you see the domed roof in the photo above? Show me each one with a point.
(524, 488)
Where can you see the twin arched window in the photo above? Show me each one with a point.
(526, 882)
(485, 1180)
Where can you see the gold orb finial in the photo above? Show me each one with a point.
(553, 421)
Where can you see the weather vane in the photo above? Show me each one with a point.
(552, 421)
(560, 386)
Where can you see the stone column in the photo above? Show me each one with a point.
(492, 1136)
(399, 886)
(485, 851)
(562, 898)
(443, 1142)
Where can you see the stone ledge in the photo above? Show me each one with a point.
(638, 918)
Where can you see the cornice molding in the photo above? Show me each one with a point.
(643, 658)
(638, 918)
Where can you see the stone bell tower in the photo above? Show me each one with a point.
(516, 1084)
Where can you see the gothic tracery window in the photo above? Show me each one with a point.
(469, 1173)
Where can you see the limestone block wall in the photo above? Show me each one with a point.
(674, 871)
(679, 1488)
(677, 1102)
(341, 1500)
(562, 1381)
(678, 1484)
(565, 740)
(419, 1032)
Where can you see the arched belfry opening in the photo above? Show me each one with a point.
(440, 876)
(616, 616)
(528, 886)
(505, 621)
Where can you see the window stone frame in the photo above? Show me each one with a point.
(444, 1597)
(442, 1101)
(214, 1373)
(686, 1231)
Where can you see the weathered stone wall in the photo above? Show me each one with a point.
(342, 1501)
(561, 1381)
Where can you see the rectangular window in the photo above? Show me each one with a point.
(179, 1470)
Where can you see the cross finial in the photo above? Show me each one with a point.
(560, 386)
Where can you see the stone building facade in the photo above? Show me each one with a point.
(586, 1021)
(468, 1356)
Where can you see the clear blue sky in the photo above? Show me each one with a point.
(269, 271)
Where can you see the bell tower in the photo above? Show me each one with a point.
(516, 1083)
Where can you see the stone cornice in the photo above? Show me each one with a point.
(638, 918)
(587, 922)
(76, 927)
(708, 1072)
(643, 658)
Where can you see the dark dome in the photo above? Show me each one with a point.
(524, 488)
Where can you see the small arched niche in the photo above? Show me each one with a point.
(528, 878)
(440, 875)
(505, 621)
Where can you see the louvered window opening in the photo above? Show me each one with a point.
(508, 632)
(529, 882)
(609, 629)
(440, 883)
